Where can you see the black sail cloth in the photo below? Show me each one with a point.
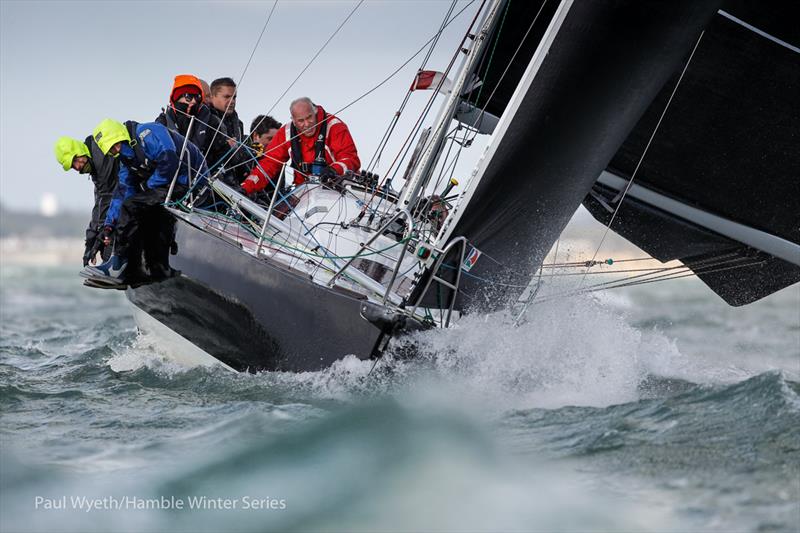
(728, 146)
(606, 63)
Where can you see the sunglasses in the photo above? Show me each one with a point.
(191, 96)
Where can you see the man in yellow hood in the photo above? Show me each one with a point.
(85, 157)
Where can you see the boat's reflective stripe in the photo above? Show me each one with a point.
(760, 32)
(332, 122)
(771, 244)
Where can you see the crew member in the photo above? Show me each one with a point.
(262, 130)
(87, 158)
(234, 159)
(187, 100)
(315, 143)
(206, 93)
(149, 160)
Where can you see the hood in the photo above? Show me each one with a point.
(67, 149)
(182, 80)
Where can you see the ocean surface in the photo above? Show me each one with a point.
(654, 408)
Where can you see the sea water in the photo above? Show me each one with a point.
(655, 408)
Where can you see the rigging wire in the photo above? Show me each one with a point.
(241, 78)
(406, 144)
(679, 273)
(376, 156)
(644, 153)
(311, 61)
(386, 79)
(429, 105)
(508, 65)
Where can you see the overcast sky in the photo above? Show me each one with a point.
(67, 65)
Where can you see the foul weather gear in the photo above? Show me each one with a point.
(67, 149)
(108, 133)
(338, 150)
(148, 165)
(151, 163)
(237, 160)
(176, 119)
(185, 83)
(103, 171)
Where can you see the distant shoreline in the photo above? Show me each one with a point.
(48, 251)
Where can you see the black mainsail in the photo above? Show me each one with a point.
(719, 186)
(578, 93)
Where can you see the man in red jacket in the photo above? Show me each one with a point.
(315, 142)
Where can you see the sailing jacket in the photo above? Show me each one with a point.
(104, 176)
(202, 131)
(151, 163)
(230, 127)
(340, 150)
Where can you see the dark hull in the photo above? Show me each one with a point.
(252, 314)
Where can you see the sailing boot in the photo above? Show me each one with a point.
(111, 271)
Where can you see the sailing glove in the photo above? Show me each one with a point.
(328, 175)
(106, 235)
(90, 250)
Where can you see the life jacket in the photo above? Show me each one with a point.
(140, 167)
(296, 150)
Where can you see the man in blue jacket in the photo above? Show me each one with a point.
(150, 156)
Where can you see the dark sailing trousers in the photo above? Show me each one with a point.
(146, 226)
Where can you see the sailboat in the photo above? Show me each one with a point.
(674, 123)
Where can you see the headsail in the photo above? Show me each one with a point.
(719, 185)
(578, 92)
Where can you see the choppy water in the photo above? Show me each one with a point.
(655, 409)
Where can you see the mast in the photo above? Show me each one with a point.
(501, 129)
(593, 73)
(430, 155)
